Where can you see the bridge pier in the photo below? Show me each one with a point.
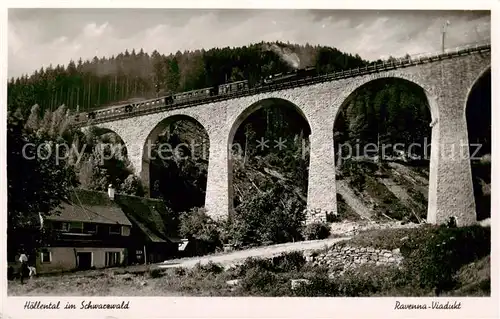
(451, 192)
(321, 192)
(218, 197)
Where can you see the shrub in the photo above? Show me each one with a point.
(274, 216)
(290, 261)
(259, 264)
(258, 282)
(356, 173)
(318, 286)
(198, 225)
(366, 281)
(317, 230)
(434, 256)
(385, 238)
(179, 271)
(208, 268)
(156, 273)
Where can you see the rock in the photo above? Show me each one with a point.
(396, 251)
(307, 253)
(229, 267)
(144, 283)
(297, 282)
(233, 282)
(387, 255)
(392, 259)
(309, 258)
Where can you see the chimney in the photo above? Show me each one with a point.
(111, 192)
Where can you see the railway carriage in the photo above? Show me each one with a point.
(136, 104)
(233, 87)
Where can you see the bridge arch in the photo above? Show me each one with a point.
(243, 115)
(110, 150)
(477, 114)
(358, 83)
(475, 82)
(254, 107)
(433, 108)
(113, 136)
(158, 130)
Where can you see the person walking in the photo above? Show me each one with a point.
(24, 265)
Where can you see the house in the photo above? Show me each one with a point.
(153, 237)
(96, 229)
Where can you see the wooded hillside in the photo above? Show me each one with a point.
(107, 80)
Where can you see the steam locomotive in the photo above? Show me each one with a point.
(194, 95)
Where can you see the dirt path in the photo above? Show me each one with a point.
(352, 200)
(236, 256)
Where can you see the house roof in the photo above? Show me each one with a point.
(151, 216)
(90, 206)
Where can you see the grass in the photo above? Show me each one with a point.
(386, 238)
(474, 279)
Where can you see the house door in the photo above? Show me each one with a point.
(84, 260)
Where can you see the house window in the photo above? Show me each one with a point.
(61, 226)
(45, 256)
(115, 229)
(112, 258)
(75, 227)
(90, 228)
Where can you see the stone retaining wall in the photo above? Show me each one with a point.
(342, 257)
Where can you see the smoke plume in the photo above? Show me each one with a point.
(285, 54)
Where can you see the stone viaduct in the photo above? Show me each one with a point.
(446, 81)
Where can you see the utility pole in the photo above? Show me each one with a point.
(443, 32)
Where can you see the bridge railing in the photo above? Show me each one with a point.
(158, 104)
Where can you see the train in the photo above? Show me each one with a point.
(171, 100)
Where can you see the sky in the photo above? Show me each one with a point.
(40, 37)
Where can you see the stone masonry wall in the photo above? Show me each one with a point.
(342, 257)
(317, 215)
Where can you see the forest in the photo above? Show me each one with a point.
(104, 81)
